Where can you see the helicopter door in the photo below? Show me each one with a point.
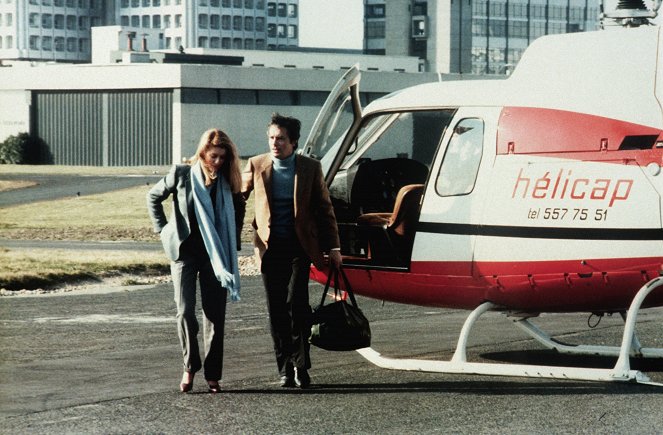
(341, 111)
(444, 237)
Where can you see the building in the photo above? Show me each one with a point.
(48, 30)
(226, 24)
(130, 114)
(470, 36)
(59, 30)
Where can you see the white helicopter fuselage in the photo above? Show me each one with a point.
(544, 192)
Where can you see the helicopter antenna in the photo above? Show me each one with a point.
(630, 13)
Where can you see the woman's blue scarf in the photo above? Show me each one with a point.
(217, 226)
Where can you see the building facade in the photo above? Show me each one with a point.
(60, 30)
(48, 30)
(470, 36)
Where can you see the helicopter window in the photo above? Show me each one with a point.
(460, 166)
(411, 135)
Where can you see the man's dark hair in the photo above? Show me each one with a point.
(291, 125)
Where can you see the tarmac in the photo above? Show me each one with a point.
(105, 360)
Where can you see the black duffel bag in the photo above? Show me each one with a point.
(339, 325)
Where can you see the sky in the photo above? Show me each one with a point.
(331, 23)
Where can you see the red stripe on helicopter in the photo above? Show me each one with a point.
(530, 130)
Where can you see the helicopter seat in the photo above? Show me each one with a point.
(390, 235)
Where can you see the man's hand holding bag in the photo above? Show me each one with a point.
(339, 326)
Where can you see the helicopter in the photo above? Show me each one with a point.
(538, 193)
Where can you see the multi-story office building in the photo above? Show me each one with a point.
(236, 24)
(59, 30)
(470, 36)
(48, 30)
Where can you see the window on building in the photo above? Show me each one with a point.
(271, 9)
(71, 22)
(202, 2)
(260, 4)
(58, 21)
(169, 42)
(518, 29)
(9, 41)
(282, 10)
(71, 45)
(156, 21)
(124, 21)
(34, 42)
(59, 43)
(82, 4)
(225, 22)
(33, 20)
(292, 11)
(497, 9)
(214, 22)
(420, 8)
(9, 18)
(292, 31)
(203, 21)
(260, 44)
(156, 3)
(46, 2)
(47, 43)
(237, 4)
(375, 29)
(225, 43)
(375, 11)
(248, 23)
(237, 43)
(135, 21)
(146, 3)
(214, 42)
(124, 4)
(237, 22)
(135, 3)
(46, 21)
(145, 19)
(202, 42)
(178, 21)
(83, 45)
(479, 7)
(166, 21)
(248, 4)
(271, 30)
(225, 3)
(248, 44)
(497, 28)
(260, 24)
(214, 3)
(96, 21)
(71, 3)
(34, 2)
(178, 42)
(83, 23)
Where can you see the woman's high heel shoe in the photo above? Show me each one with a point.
(185, 386)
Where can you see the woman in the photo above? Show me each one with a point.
(201, 239)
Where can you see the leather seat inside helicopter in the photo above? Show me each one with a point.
(386, 196)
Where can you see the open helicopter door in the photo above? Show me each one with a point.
(340, 113)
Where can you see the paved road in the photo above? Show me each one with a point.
(102, 361)
(54, 186)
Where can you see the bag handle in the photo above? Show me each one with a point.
(334, 275)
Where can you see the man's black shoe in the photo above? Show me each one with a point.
(302, 379)
(287, 381)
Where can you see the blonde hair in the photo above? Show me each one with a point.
(230, 169)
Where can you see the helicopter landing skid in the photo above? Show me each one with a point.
(459, 364)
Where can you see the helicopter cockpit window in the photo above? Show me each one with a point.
(460, 166)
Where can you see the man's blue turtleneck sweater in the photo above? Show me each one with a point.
(283, 190)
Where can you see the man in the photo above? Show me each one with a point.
(294, 225)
